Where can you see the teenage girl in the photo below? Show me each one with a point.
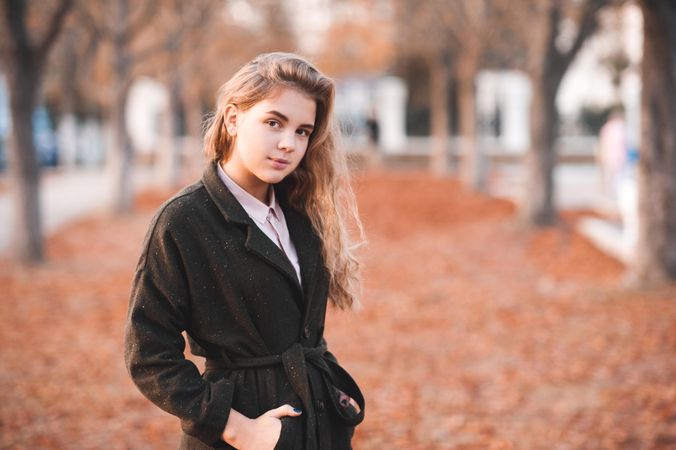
(244, 261)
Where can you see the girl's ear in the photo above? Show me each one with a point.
(230, 119)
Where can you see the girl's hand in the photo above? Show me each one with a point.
(261, 433)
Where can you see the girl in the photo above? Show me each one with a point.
(244, 261)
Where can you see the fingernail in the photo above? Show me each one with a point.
(297, 411)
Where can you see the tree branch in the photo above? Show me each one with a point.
(54, 27)
(152, 50)
(141, 22)
(15, 17)
(98, 28)
(588, 25)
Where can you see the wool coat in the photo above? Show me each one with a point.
(208, 270)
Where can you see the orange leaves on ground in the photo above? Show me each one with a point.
(475, 334)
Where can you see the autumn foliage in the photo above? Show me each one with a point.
(475, 334)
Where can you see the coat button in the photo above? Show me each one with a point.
(306, 331)
(320, 405)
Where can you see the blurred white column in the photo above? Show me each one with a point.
(91, 147)
(515, 96)
(390, 106)
(67, 138)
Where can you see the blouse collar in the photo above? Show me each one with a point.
(256, 209)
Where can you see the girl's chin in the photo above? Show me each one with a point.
(272, 178)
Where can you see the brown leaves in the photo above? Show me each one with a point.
(475, 334)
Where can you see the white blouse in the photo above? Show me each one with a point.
(269, 218)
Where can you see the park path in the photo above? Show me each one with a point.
(67, 195)
(475, 334)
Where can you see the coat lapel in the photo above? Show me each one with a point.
(307, 246)
(256, 241)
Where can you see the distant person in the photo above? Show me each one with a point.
(612, 152)
(245, 261)
(373, 129)
(627, 200)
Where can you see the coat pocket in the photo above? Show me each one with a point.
(336, 379)
(346, 410)
(287, 436)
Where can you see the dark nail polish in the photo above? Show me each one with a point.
(297, 411)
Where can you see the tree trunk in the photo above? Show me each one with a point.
(473, 164)
(24, 60)
(193, 128)
(439, 114)
(122, 157)
(547, 70)
(67, 125)
(655, 258)
(175, 129)
(27, 240)
(194, 115)
(538, 203)
(123, 154)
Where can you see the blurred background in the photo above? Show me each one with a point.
(514, 165)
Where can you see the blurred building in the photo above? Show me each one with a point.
(368, 92)
(43, 131)
(593, 84)
(604, 74)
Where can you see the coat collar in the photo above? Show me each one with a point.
(304, 239)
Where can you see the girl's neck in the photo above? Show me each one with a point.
(257, 188)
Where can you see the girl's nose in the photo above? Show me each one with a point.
(287, 142)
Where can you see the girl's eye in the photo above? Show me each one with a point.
(273, 123)
(303, 132)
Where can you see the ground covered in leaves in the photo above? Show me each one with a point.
(475, 333)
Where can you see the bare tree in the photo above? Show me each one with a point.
(423, 33)
(68, 84)
(183, 26)
(24, 59)
(474, 25)
(360, 38)
(656, 252)
(452, 36)
(550, 53)
(439, 66)
(121, 27)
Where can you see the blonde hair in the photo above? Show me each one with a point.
(320, 185)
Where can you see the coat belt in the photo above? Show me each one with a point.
(293, 360)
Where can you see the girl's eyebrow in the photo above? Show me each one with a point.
(286, 119)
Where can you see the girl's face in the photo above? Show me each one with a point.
(270, 139)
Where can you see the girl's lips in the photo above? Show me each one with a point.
(278, 163)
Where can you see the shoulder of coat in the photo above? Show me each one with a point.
(187, 198)
(174, 211)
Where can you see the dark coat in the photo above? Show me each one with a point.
(206, 268)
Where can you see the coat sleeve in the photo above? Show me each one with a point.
(154, 346)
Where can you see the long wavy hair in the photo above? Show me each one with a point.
(319, 187)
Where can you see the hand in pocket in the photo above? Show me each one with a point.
(264, 432)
